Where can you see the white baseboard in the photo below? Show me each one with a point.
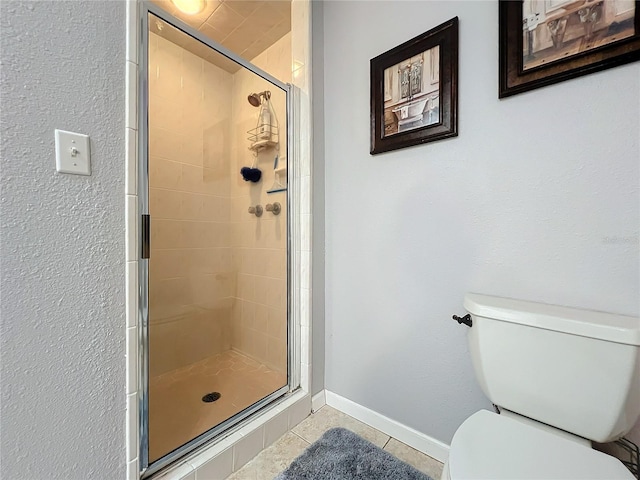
(318, 401)
(415, 439)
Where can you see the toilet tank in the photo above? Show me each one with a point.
(576, 370)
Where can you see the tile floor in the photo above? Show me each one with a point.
(177, 413)
(271, 461)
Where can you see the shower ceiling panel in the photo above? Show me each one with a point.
(247, 28)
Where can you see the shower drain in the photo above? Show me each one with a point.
(211, 397)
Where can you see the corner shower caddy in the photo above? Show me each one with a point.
(259, 144)
(266, 134)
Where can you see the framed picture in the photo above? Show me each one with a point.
(548, 41)
(414, 90)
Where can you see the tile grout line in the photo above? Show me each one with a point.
(300, 437)
(386, 443)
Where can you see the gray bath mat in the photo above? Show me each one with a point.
(342, 455)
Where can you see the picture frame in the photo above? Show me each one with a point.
(542, 42)
(414, 90)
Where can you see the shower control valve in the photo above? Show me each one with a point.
(274, 208)
(257, 210)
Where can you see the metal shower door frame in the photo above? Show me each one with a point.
(293, 353)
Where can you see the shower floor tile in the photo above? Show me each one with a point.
(177, 413)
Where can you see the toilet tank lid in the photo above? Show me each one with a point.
(585, 323)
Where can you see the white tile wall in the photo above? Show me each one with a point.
(131, 219)
(131, 96)
(305, 345)
(131, 292)
(299, 411)
(293, 409)
(305, 269)
(301, 37)
(300, 41)
(220, 467)
(305, 195)
(131, 173)
(131, 238)
(192, 282)
(275, 428)
(132, 427)
(259, 329)
(132, 31)
(181, 472)
(133, 469)
(197, 461)
(305, 376)
(132, 360)
(305, 307)
(305, 165)
(248, 447)
(305, 231)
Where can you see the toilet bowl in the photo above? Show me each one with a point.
(489, 446)
(562, 377)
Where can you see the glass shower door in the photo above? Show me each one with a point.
(217, 302)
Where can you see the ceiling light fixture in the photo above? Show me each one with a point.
(190, 7)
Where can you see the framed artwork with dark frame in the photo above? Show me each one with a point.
(548, 41)
(414, 90)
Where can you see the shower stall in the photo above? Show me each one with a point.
(215, 334)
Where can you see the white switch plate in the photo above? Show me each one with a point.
(73, 153)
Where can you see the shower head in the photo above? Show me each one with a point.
(254, 98)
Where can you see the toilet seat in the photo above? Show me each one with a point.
(488, 446)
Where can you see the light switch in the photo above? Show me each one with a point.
(73, 154)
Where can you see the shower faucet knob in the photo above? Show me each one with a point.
(275, 208)
(257, 210)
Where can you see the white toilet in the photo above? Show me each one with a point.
(561, 377)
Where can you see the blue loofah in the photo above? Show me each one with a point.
(251, 174)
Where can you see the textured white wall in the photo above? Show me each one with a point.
(536, 199)
(63, 317)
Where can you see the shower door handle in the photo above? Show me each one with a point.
(146, 236)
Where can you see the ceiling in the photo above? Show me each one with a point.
(247, 28)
